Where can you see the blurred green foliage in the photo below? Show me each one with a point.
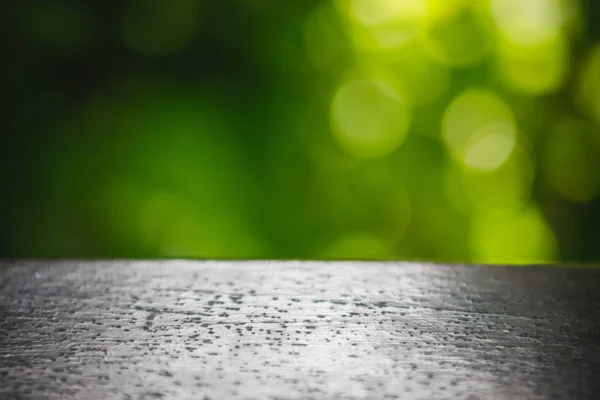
(453, 130)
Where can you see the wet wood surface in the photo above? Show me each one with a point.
(291, 330)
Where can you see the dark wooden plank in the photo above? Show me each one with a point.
(287, 330)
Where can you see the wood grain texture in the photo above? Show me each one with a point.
(291, 330)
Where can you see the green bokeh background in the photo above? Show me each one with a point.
(447, 130)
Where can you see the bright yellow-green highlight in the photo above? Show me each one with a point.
(529, 22)
(505, 187)
(448, 130)
(515, 236)
(439, 10)
(479, 129)
(572, 160)
(462, 39)
(377, 12)
(384, 24)
(383, 37)
(369, 119)
(420, 79)
(533, 69)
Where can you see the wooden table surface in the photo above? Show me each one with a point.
(291, 330)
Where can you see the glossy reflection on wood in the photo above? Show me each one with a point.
(291, 330)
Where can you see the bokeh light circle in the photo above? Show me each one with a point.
(377, 12)
(527, 22)
(369, 118)
(461, 39)
(479, 129)
(533, 69)
(503, 188)
(521, 235)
